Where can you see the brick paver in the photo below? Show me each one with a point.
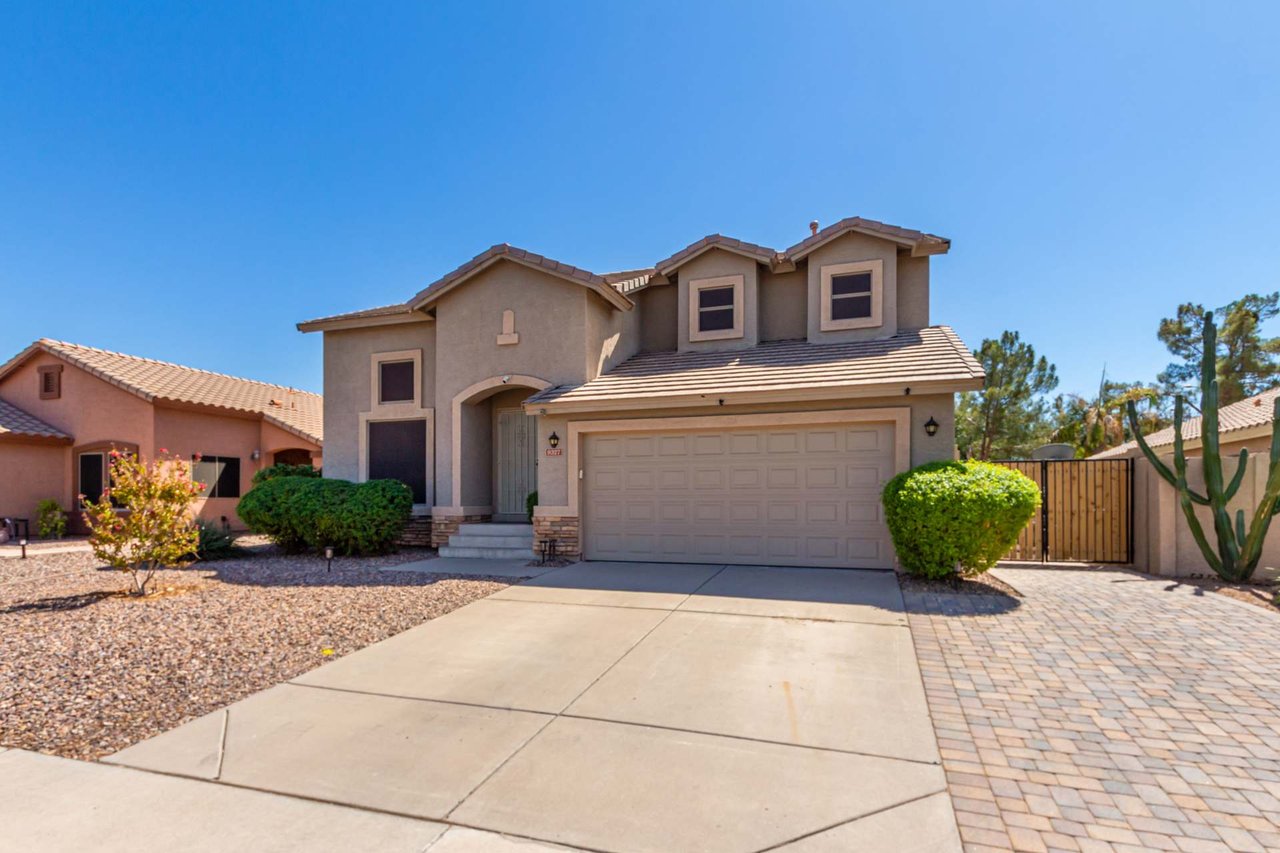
(1105, 711)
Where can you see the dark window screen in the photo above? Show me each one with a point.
(91, 473)
(219, 474)
(851, 296)
(715, 309)
(395, 381)
(398, 451)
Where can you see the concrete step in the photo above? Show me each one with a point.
(496, 529)
(475, 540)
(521, 553)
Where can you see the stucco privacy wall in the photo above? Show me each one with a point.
(1163, 544)
(30, 473)
(550, 314)
(347, 383)
(553, 474)
(854, 247)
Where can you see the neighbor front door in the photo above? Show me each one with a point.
(517, 464)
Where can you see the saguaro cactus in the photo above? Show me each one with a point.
(1238, 548)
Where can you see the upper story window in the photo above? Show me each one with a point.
(852, 295)
(50, 381)
(715, 308)
(396, 379)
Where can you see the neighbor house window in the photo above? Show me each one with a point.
(50, 381)
(395, 381)
(93, 469)
(219, 474)
(715, 308)
(852, 295)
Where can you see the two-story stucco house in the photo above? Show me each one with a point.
(733, 403)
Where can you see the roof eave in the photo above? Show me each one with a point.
(338, 323)
(670, 265)
(30, 438)
(811, 394)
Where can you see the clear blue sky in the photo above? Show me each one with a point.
(188, 182)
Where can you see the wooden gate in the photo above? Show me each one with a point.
(1086, 511)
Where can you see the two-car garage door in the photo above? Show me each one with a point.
(804, 495)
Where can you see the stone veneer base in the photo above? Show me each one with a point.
(443, 527)
(566, 530)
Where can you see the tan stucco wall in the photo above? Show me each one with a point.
(612, 336)
(783, 305)
(554, 477)
(186, 433)
(30, 473)
(550, 319)
(913, 292)
(846, 249)
(710, 265)
(659, 317)
(348, 388)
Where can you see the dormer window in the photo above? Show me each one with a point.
(852, 295)
(715, 308)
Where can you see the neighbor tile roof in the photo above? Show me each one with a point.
(16, 422)
(1256, 411)
(929, 355)
(299, 412)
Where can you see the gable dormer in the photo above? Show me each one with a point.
(717, 292)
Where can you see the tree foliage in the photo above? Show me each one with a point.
(1096, 423)
(1006, 418)
(1246, 363)
(151, 528)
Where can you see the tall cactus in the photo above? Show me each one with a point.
(1239, 549)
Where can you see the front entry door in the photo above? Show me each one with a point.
(517, 463)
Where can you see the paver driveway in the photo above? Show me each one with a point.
(1107, 711)
(618, 707)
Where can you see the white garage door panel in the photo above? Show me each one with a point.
(777, 496)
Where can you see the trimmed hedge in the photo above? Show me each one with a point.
(957, 516)
(284, 470)
(301, 512)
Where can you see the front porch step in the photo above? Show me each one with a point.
(492, 528)
(476, 540)
(516, 553)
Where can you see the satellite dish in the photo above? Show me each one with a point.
(1054, 452)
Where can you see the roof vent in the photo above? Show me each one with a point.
(813, 226)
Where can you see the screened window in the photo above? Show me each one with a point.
(715, 309)
(395, 382)
(398, 451)
(219, 474)
(851, 296)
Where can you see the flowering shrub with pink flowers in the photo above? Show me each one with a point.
(142, 523)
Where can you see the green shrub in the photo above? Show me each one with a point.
(957, 516)
(216, 542)
(529, 503)
(51, 521)
(307, 512)
(283, 470)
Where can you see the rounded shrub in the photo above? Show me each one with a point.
(307, 512)
(284, 469)
(948, 517)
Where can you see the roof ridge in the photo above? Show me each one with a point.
(57, 343)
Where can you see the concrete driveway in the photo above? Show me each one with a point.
(607, 707)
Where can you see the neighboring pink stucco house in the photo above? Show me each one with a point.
(64, 406)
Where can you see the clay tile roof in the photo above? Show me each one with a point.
(530, 259)
(1256, 411)
(16, 422)
(298, 412)
(932, 355)
(763, 254)
(920, 242)
(380, 311)
(629, 281)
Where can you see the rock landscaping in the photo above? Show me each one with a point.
(86, 671)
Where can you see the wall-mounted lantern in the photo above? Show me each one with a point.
(553, 440)
(931, 427)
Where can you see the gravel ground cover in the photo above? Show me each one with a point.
(86, 671)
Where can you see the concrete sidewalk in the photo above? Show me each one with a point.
(618, 707)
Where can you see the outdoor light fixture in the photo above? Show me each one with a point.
(23, 543)
(931, 427)
(553, 440)
(255, 455)
(328, 557)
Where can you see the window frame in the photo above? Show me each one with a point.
(876, 269)
(376, 360)
(696, 286)
(103, 450)
(210, 492)
(413, 378)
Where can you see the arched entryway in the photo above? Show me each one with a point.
(291, 456)
(495, 446)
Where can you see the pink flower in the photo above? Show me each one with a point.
(199, 456)
(164, 450)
